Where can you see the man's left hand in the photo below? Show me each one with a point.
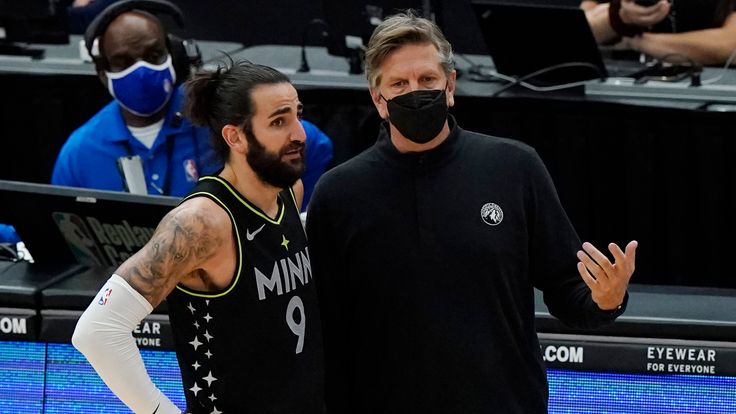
(607, 281)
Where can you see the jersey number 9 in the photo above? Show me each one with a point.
(299, 328)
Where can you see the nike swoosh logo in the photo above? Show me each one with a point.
(250, 236)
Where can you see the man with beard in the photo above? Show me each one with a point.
(233, 263)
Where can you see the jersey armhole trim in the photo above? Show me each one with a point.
(239, 246)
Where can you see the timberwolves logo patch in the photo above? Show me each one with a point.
(491, 214)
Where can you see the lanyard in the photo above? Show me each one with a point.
(166, 188)
(167, 172)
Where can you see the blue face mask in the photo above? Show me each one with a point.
(143, 88)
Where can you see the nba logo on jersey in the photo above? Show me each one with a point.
(190, 169)
(105, 296)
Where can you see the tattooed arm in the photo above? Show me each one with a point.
(189, 245)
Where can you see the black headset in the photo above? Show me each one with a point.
(184, 53)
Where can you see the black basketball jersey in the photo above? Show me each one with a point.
(256, 346)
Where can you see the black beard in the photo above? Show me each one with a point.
(269, 167)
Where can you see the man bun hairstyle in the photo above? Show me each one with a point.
(220, 97)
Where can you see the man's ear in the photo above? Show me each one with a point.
(451, 83)
(379, 103)
(235, 138)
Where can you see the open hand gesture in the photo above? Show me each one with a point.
(607, 281)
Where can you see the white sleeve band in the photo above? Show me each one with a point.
(104, 334)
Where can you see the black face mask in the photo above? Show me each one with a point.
(418, 115)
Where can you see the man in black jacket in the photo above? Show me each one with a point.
(428, 245)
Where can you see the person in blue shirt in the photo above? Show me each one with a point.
(172, 164)
(134, 62)
(134, 59)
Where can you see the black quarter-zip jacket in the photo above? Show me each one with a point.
(425, 265)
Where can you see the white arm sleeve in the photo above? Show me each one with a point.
(104, 334)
